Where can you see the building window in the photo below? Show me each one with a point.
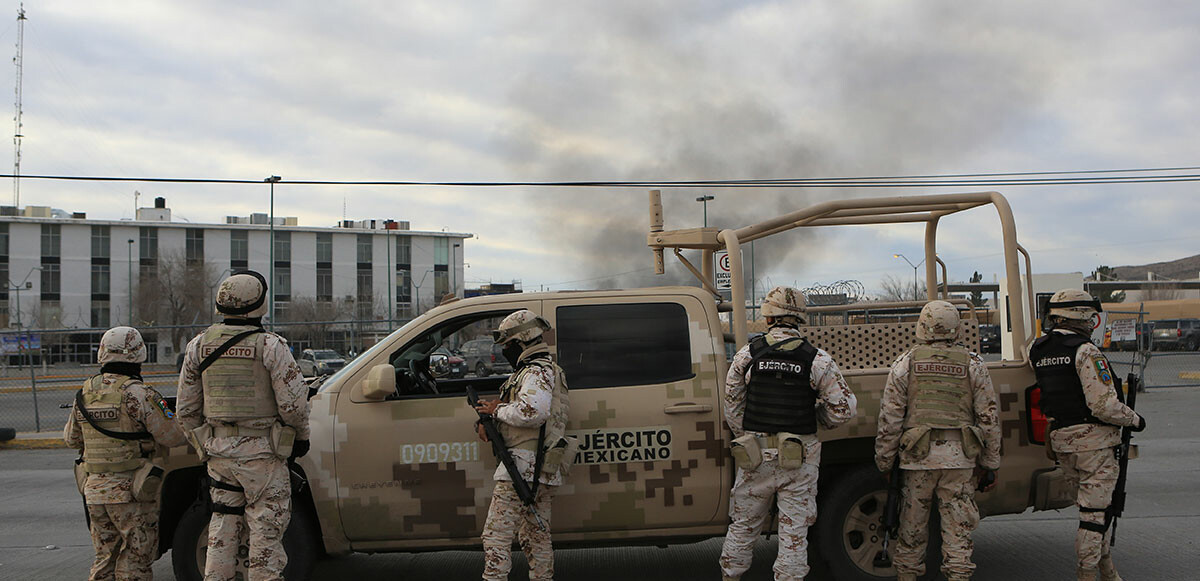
(101, 281)
(4, 260)
(441, 285)
(366, 301)
(324, 284)
(364, 249)
(403, 250)
(239, 249)
(403, 285)
(283, 284)
(194, 245)
(441, 251)
(324, 247)
(101, 242)
(51, 282)
(283, 248)
(100, 315)
(51, 258)
(51, 240)
(148, 243)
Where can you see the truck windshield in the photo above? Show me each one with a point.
(369, 354)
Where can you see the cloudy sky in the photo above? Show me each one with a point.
(364, 90)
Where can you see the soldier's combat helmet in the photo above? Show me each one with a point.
(121, 345)
(784, 301)
(523, 326)
(243, 295)
(938, 322)
(1070, 303)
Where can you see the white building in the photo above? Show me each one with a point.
(66, 271)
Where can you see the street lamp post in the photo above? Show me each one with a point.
(704, 200)
(417, 295)
(129, 263)
(271, 269)
(914, 267)
(453, 282)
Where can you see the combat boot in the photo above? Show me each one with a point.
(1108, 571)
(728, 578)
(906, 577)
(1085, 574)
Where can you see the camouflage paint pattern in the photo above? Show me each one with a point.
(125, 536)
(239, 291)
(121, 344)
(955, 490)
(942, 453)
(148, 409)
(938, 321)
(508, 517)
(1093, 474)
(267, 501)
(795, 489)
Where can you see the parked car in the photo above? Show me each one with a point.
(1177, 334)
(445, 364)
(989, 338)
(315, 362)
(485, 357)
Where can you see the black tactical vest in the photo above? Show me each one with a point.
(780, 397)
(1053, 358)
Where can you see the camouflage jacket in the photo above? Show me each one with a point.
(943, 454)
(291, 397)
(1101, 395)
(147, 408)
(529, 408)
(836, 404)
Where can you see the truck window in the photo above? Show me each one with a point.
(623, 344)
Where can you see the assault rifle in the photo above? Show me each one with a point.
(891, 515)
(1117, 507)
(504, 455)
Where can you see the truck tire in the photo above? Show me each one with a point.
(848, 526)
(480, 370)
(301, 541)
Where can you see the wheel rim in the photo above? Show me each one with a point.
(862, 533)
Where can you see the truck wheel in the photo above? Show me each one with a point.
(189, 551)
(849, 528)
(480, 370)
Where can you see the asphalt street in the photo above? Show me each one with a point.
(42, 534)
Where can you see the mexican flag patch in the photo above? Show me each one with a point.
(162, 405)
(1102, 369)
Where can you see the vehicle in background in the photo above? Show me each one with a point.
(989, 338)
(445, 364)
(1178, 334)
(484, 357)
(314, 362)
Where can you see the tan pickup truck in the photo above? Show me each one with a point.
(395, 464)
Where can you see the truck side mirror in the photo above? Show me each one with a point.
(380, 382)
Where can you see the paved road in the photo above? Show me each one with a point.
(39, 508)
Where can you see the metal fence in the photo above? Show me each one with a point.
(41, 369)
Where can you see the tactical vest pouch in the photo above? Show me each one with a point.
(746, 452)
(972, 441)
(282, 439)
(914, 444)
(791, 451)
(81, 474)
(560, 456)
(198, 437)
(146, 482)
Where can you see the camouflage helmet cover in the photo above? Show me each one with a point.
(121, 345)
(939, 321)
(1070, 303)
(784, 301)
(243, 294)
(523, 325)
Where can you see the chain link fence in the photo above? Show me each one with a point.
(41, 369)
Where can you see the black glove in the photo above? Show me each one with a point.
(986, 479)
(1140, 425)
(299, 449)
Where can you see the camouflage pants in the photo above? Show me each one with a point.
(267, 502)
(955, 489)
(750, 505)
(125, 537)
(1094, 475)
(507, 516)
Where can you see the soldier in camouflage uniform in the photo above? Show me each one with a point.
(246, 410)
(124, 526)
(939, 411)
(779, 388)
(532, 401)
(1086, 413)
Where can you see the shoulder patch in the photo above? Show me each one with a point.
(1102, 369)
(162, 406)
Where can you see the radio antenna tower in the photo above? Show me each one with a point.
(17, 118)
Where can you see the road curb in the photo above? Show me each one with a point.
(34, 441)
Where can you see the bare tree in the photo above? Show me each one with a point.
(893, 289)
(175, 292)
(318, 315)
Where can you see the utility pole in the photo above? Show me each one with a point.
(271, 277)
(17, 125)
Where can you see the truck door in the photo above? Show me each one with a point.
(645, 403)
(411, 466)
